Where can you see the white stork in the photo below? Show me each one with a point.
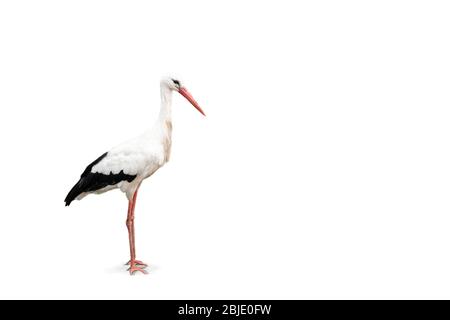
(128, 164)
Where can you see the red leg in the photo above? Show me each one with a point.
(135, 265)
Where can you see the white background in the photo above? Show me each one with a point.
(320, 171)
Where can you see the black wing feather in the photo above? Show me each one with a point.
(90, 181)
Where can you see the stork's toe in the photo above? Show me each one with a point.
(134, 268)
(137, 263)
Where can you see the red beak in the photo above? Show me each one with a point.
(191, 99)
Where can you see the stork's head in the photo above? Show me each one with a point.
(176, 85)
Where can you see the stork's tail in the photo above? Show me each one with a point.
(74, 192)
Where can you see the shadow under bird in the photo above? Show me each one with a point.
(125, 166)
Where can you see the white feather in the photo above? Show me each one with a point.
(143, 155)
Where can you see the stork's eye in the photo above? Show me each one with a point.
(176, 82)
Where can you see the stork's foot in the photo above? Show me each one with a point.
(136, 265)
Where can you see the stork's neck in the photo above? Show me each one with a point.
(165, 113)
(164, 122)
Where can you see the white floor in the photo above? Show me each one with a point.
(321, 169)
